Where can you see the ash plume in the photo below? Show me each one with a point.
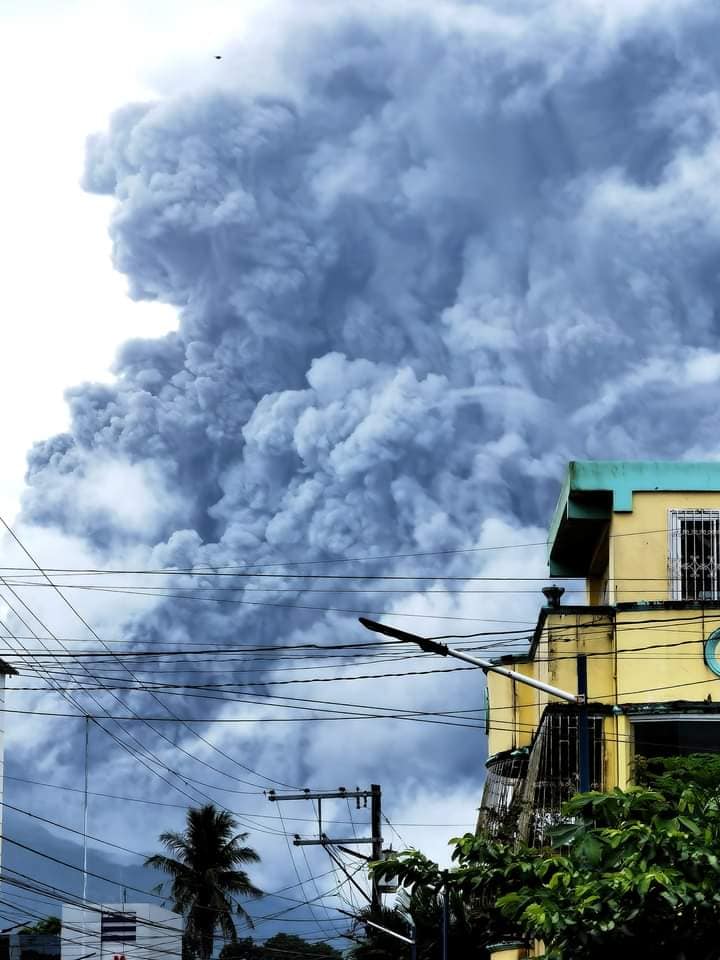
(454, 253)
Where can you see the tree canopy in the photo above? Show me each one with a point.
(48, 925)
(283, 946)
(627, 869)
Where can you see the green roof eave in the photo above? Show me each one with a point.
(595, 489)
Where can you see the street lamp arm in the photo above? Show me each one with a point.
(371, 923)
(431, 646)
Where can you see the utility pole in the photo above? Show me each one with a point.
(583, 725)
(445, 916)
(374, 841)
(377, 840)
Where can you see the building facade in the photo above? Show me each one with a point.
(637, 545)
(114, 931)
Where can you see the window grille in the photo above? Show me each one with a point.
(694, 554)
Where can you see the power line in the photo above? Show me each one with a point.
(288, 606)
(227, 569)
(81, 710)
(182, 806)
(85, 623)
(294, 864)
(233, 720)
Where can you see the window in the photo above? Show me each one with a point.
(694, 554)
(117, 927)
(677, 737)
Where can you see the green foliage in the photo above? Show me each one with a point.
(636, 867)
(205, 876)
(244, 948)
(283, 946)
(48, 925)
(630, 873)
(424, 882)
(671, 774)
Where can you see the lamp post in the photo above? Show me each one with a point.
(386, 930)
(579, 699)
(432, 646)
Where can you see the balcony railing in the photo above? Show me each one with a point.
(525, 789)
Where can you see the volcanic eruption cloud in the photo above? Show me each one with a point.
(451, 251)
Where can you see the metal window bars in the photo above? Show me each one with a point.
(525, 789)
(694, 554)
(558, 775)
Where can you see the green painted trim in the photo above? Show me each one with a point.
(511, 658)
(560, 509)
(508, 945)
(637, 711)
(650, 605)
(624, 477)
(506, 754)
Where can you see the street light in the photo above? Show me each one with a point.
(432, 646)
(577, 699)
(377, 926)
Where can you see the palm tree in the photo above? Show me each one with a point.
(203, 865)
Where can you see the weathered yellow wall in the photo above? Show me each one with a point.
(619, 753)
(646, 656)
(639, 544)
(566, 636)
(503, 722)
(510, 953)
(650, 662)
(515, 709)
(660, 655)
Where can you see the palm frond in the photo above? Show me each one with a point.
(204, 878)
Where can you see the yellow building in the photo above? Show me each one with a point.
(637, 545)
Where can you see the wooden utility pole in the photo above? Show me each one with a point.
(377, 840)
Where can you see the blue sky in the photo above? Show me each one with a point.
(388, 270)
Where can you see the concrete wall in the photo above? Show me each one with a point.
(516, 709)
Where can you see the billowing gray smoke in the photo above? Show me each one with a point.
(462, 251)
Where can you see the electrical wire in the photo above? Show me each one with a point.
(82, 712)
(295, 866)
(226, 569)
(181, 806)
(88, 627)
